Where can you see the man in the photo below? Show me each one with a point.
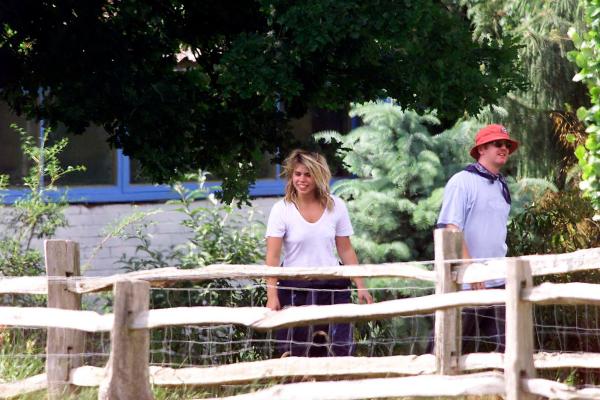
(477, 202)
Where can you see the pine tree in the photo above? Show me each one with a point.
(401, 170)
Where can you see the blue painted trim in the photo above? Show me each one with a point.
(123, 168)
(141, 193)
(144, 193)
(124, 191)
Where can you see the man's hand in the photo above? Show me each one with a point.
(478, 285)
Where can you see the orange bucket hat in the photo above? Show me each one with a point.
(490, 133)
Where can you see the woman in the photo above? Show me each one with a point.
(310, 224)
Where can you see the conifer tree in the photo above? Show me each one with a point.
(402, 170)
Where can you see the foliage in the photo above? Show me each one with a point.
(556, 223)
(586, 57)
(525, 191)
(33, 216)
(218, 235)
(28, 345)
(393, 336)
(401, 170)
(536, 114)
(255, 66)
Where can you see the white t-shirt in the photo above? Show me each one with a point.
(307, 244)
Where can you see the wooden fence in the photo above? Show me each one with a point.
(445, 373)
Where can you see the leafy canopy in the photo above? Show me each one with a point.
(586, 56)
(257, 65)
(537, 115)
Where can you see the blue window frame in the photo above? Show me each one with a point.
(125, 191)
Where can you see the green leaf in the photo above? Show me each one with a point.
(580, 152)
(581, 113)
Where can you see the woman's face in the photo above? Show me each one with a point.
(303, 181)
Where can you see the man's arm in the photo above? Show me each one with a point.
(465, 250)
(466, 255)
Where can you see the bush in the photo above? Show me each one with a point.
(586, 56)
(217, 236)
(35, 215)
(558, 222)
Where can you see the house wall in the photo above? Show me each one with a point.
(88, 225)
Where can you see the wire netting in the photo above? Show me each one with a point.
(226, 344)
(557, 328)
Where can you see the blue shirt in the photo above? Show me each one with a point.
(477, 207)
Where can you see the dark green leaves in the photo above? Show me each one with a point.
(113, 64)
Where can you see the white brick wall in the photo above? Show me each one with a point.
(87, 223)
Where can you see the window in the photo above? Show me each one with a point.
(12, 161)
(90, 150)
(111, 176)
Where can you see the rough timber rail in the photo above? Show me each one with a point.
(379, 376)
(549, 264)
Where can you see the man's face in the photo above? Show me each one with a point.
(494, 153)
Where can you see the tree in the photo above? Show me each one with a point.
(586, 57)
(113, 63)
(401, 170)
(537, 115)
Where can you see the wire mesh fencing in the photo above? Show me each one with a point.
(186, 346)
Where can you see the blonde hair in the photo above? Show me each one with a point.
(319, 170)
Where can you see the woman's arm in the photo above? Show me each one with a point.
(272, 259)
(348, 257)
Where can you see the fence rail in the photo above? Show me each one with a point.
(299, 367)
(374, 377)
(551, 264)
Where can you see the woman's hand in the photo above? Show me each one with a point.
(364, 297)
(273, 303)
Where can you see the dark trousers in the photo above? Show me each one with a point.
(483, 329)
(321, 340)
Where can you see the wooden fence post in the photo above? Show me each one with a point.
(518, 357)
(127, 373)
(65, 347)
(448, 246)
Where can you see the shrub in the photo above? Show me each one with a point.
(217, 235)
(35, 215)
(586, 56)
(558, 222)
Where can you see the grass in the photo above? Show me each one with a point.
(21, 353)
